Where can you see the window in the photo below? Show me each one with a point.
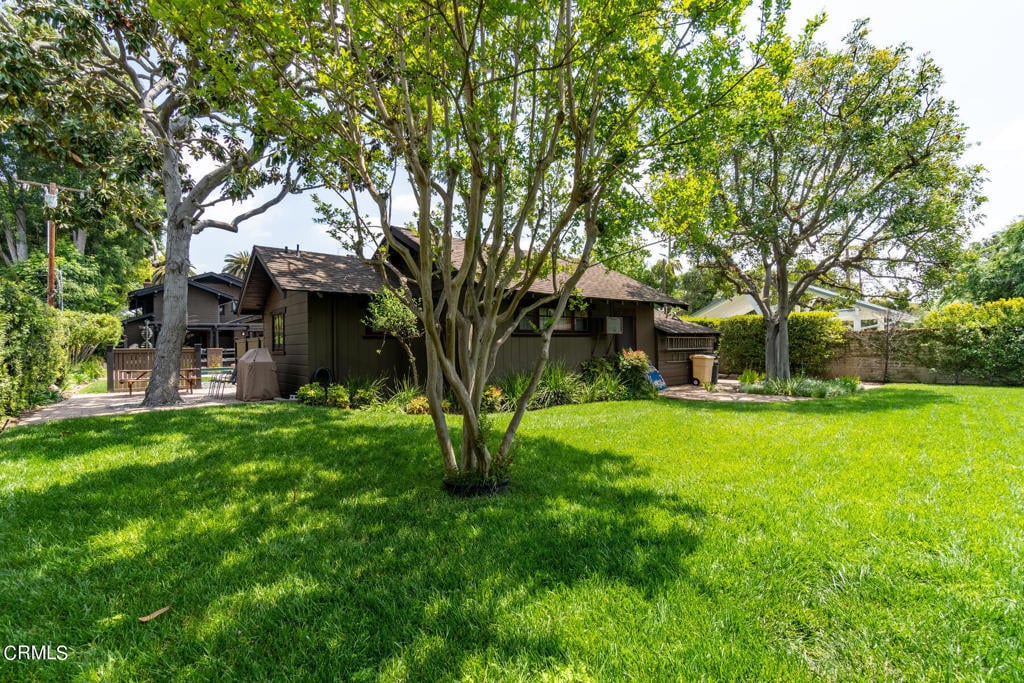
(572, 322)
(277, 332)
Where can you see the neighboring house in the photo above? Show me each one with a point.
(212, 321)
(313, 306)
(862, 315)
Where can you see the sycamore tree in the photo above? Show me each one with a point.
(832, 162)
(209, 150)
(510, 123)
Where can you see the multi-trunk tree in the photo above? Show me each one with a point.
(125, 52)
(832, 162)
(509, 123)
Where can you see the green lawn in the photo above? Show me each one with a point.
(878, 536)
(98, 386)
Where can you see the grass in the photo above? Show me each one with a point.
(876, 536)
(98, 386)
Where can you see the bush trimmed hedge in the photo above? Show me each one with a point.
(983, 341)
(33, 349)
(813, 339)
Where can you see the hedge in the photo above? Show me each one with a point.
(33, 349)
(983, 341)
(38, 344)
(813, 340)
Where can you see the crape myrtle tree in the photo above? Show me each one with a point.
(510, 123)
(122, 47)
(832, 162)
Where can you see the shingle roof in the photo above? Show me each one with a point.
(597, 282)
(153, 289)
(315, 272)
(669, 325)
(310, 271)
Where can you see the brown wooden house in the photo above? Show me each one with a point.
(313, 307)
(677, 341)
(212, 320)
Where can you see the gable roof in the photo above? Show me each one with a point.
(744, 303)
(597, 282)
(226, 278)
(304, 271)
(153, 289)
(861, 303)
(309, 271)
(669, 325)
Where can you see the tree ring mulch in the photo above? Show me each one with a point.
(468, 488)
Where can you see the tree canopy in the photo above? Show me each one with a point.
(831, 162)
(51, 132)
(995, 267)
(511, 124)
(127, 55)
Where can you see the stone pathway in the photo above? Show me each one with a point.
(91, 405)
(729, 390)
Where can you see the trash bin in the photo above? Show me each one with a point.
(703, 368)
(714, 372)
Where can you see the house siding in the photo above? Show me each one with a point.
(338, 341)
(292, 365)
(520, 352)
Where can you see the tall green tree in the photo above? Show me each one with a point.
(121, 50)
(832, 162)
(512, 123)
(995, 268)
(53, 132)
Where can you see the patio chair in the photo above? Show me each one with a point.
(216, 382)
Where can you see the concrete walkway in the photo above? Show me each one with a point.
(90, 405)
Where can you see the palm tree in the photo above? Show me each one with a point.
(159, 264)
(237, 264)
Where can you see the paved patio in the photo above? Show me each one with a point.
(91, 405)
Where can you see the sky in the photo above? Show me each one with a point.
(977, 44)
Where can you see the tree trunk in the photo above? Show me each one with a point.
(412, 361)
(776, 349)
(435, 398)
(79, 237)
(17, 242)
(163, 383)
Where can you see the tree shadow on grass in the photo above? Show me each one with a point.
(309, 545)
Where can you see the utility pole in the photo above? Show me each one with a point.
(50, 191)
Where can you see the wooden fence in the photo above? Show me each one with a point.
(141, 360)
(243, 345)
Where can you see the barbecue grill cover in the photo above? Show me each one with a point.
(257, 376)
